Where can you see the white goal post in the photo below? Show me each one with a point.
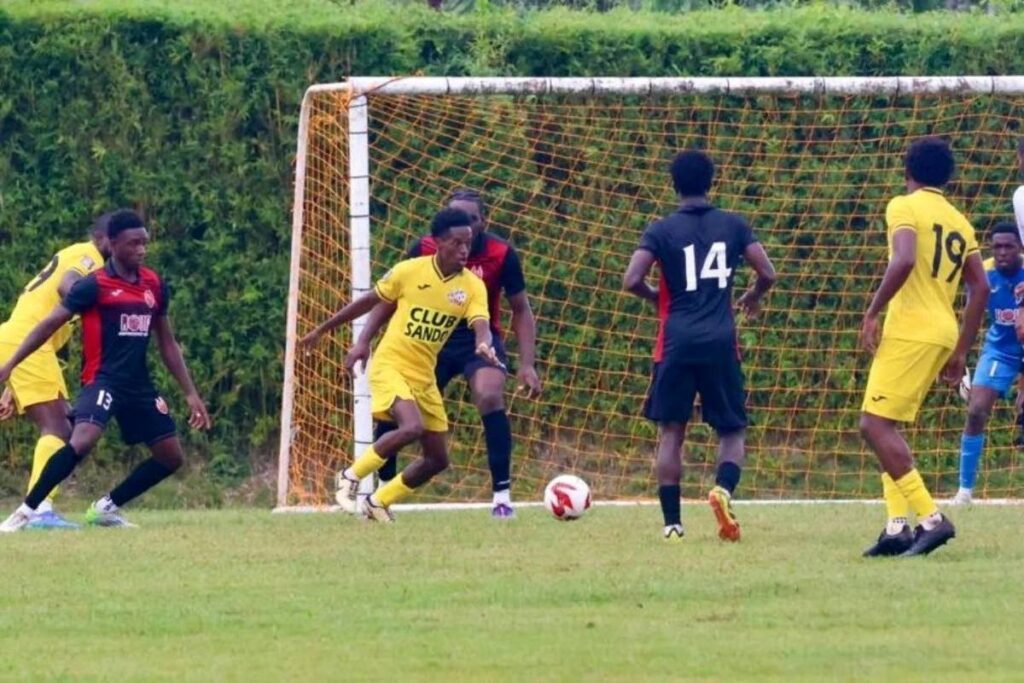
(360, 90)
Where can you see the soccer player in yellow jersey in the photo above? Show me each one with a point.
(36, 386)
(931, 247)
(432, 294)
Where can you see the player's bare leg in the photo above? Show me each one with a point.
(166, 458)
(84, 437)
(979, 408)
(669, 470)
(408, 428)
(488, 390)
(906, 489)
(51, 419)
(432, 461)
(731, 456)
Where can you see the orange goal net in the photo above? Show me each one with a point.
(572, 171)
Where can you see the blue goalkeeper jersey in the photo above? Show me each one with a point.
(1003, 304)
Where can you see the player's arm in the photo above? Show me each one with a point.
(479, 320)
(378, 318)
(976, 283)
(524, 324)
(635, 279)
(1018, 210)
(170, 352)
(36, 338)
(755, 255)
(353, 310)
(901, 265)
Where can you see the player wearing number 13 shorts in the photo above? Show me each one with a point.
(931, 248)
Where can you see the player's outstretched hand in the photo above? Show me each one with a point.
(528, 381)
(6, 404)
(359, 353)
(486, 351)
(750, 305)
(954, 369)
(869, 334)
(198, 418)
(307, 342)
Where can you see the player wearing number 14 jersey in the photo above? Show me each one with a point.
(931, 247)
(697, 249)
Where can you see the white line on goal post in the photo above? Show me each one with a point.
(359, 260)
(291, 324)
(837, 85)
(456, 507)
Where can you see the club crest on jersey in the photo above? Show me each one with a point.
(149, 298)
(135, 325)
(161, 405)
(457, 296)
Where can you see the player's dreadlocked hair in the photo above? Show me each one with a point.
(468, 195)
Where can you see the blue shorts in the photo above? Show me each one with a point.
(996, 371)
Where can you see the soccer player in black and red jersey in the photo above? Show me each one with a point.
(497, 264)
(121, 305)
(697, 249)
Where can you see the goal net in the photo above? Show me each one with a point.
(572, 170)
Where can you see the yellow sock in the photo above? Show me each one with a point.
(392, 492)
(913, 489)
(45, 448)
(896, 506)
(367, 463)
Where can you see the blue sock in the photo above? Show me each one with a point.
(970, 456)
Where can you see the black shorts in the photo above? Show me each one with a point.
(719, 381)
(142, 416)
(458, 357)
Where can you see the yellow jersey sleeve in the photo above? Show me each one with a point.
(476, 306)
(389, 286)
(82, 260)
(899, 214)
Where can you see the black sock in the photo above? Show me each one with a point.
(58, 468)
(498, 435)
(669, 496)
(728, 476)
(148, 474)
(390, 468)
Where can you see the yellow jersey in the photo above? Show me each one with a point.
(40, 295)
(429, 307)
(922, 310)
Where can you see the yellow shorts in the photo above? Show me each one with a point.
(900, 376)
(388, 384)
(37, 379)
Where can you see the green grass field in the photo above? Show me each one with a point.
(249, 596)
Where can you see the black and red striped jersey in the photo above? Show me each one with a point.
(117, 317)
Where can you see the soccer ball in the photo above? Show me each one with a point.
(965, 386)
(567, 497)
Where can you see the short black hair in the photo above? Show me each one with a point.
(1004, 227)
(468, 194)
(101, 225)
(692, 173)
(930, 161)
(121, 220)
(446, 219)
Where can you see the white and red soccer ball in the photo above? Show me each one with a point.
(567, 497)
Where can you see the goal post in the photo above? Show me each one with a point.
(572, 169)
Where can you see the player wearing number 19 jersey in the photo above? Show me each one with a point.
(697, 249)
(931, 247)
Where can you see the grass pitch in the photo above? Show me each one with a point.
(247, 596)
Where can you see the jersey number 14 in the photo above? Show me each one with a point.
(715, 266)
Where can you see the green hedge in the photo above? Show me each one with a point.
(189, 113)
